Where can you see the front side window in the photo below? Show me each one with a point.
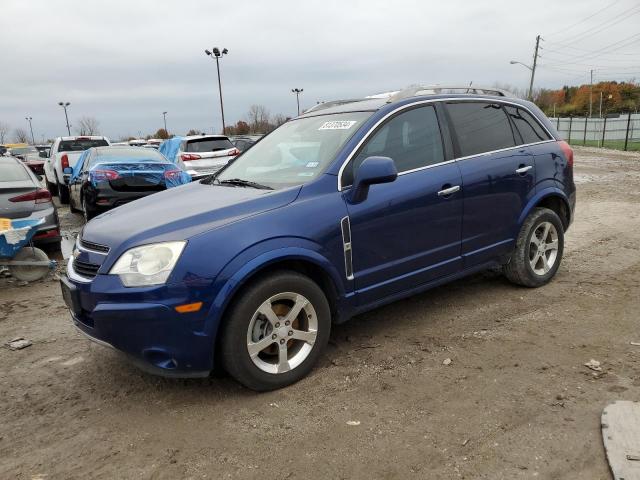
(480, 127)
(528, 127)
(296, 152)
(411, 139)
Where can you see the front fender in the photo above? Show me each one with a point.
(538, 197)
(236, 273)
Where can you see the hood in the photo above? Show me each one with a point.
(180, 213)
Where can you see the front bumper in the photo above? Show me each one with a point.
(142, 323)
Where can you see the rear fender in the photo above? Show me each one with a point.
(537, 198)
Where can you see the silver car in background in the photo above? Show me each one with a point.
(206, 154)
(22, 197)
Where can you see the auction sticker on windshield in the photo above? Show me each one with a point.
(338, 125)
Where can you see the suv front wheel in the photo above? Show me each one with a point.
(538, 250)
(275, 331)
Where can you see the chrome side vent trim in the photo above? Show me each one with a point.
(345, 225)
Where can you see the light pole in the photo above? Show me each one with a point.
(164, 115)
(513, 62)
(28, 119)
(216, 53)
(297, 91)
(65, 105)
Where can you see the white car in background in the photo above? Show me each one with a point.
(64, 154)
(206, 154)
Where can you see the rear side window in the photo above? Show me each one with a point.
(480, 127)
(208, 145)
(80, 145)
(11, 171)
(530, 130)
(411, 139)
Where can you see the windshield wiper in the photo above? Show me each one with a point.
(244, 183)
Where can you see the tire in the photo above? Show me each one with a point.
(534, 262)
(63, 193)
(26, 273)
(87, 211)
(53, 188)
(246, 325)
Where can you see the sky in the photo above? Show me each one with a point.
(125, 62)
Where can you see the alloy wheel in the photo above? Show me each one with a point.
(282, 332)
(543, 248)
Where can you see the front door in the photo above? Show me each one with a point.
(407, 232)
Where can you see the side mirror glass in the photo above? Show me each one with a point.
(371, 171)
(43, 154)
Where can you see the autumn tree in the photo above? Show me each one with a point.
(258, 119)
(161, 133)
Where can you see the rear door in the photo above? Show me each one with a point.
(407, 232)
(498, 178)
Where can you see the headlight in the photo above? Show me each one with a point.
(148, 264)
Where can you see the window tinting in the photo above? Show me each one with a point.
(411, 139)
(528, 127)
(480, 127)
(80, 145)
(12, 171)
(208, 145)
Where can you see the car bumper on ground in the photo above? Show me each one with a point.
(153, 335)
(49, 230)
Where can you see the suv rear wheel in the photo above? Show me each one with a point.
(538, 251)
(276, 332)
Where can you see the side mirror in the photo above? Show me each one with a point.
(43, 154)
(67, 171)
(371, 171)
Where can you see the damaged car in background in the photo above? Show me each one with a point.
(106, 177)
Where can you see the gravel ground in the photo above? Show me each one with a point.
(516, 401)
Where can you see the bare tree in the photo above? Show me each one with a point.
(258, 118)
(4, 130)
(278, 119)
(20, 135)
(88, 126)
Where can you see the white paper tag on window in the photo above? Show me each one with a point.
(312, 164)
(338, 125)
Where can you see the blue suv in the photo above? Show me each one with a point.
(347, 207)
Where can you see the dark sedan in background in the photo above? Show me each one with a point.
(22, 197)
(106, 177)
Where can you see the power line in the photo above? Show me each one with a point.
(625, 42)
(583, 20)
(603, 26)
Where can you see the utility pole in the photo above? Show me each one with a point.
(533, 68)
(164, 115)
(591, 94)
(28, 119)
(600, 104)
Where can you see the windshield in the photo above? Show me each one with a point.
(23, 150)
(296, 152)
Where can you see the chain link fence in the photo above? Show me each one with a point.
(621, 132)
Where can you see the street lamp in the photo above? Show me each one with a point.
(28, 119)
(65, 105)
(297, 91)
(513, 62)
(164, 115)
(216, 53)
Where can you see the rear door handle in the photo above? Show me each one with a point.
(449, 191)
(522, 170)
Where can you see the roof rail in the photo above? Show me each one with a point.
(333, 103)
(420, 90)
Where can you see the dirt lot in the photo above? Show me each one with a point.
(515, 402)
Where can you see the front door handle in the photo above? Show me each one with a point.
(445, 192)
(523, 169)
